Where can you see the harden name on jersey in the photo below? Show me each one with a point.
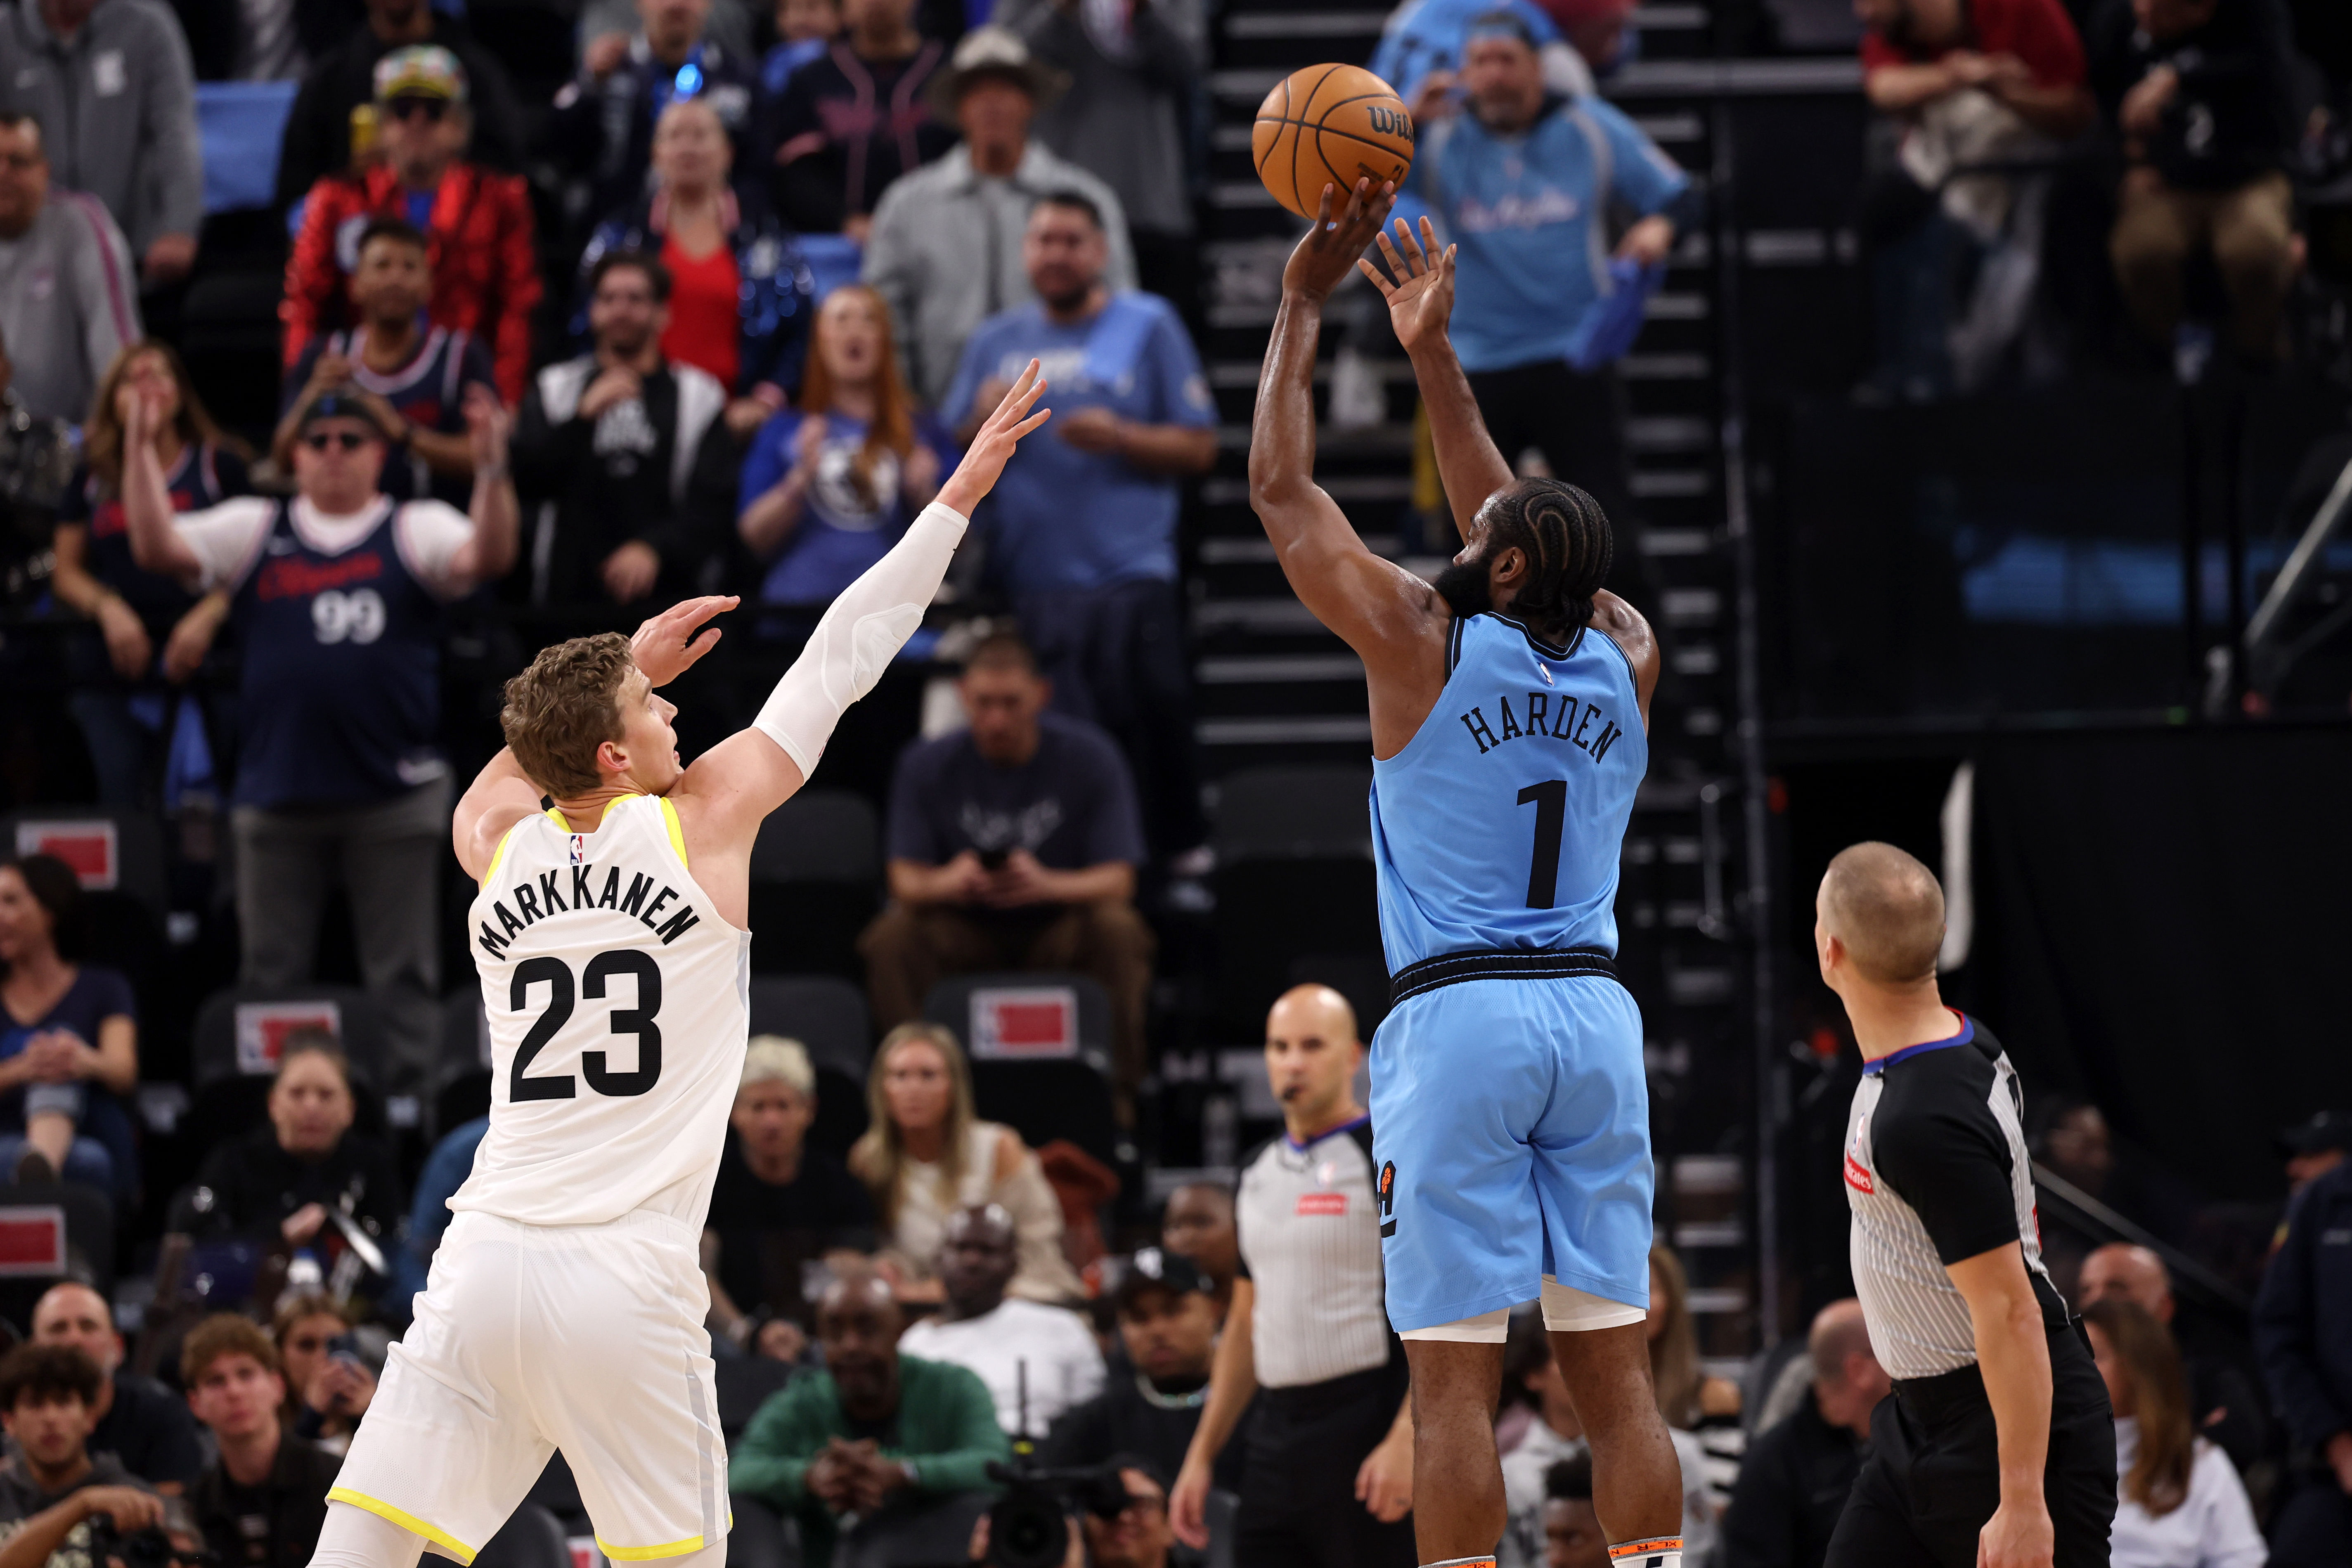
(550, 894)
(1553, 714)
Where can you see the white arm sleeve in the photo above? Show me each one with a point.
(860, 632)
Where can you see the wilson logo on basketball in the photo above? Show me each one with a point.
(1389, 121)
(1857, 1176)
(1323, 1203)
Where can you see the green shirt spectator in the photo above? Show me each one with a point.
(874, 1426)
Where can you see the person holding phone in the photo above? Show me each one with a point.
(1014, 845)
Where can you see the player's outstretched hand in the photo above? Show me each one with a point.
(1420, 300)
(1332, 245)
(666, 646)
(992, 444)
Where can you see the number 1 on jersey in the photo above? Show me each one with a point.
(1550, 799)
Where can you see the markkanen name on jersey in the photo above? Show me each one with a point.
(548, 896)
(1554, 714)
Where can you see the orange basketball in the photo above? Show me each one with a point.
(1330, 125)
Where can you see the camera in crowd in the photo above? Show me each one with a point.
(148, 1548)
(1030, 1525)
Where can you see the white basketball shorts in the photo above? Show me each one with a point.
(532, 1338)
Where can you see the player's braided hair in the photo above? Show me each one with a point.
(1567, 539)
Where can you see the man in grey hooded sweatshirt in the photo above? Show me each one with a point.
(111, 82)
(69, 302)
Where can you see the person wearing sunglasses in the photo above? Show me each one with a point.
(481, 258)
(336, 596)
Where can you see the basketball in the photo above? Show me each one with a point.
(1330, 125)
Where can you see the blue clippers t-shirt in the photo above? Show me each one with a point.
(846, 526)
(1061, 518)
(1529, 212)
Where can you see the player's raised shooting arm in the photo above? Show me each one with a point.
(732, 786)
(1629, 629)
(1380, 609)
(1419, 287)
(498, 797)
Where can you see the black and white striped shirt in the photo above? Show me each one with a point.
(1307, 1218)
(1936, 1172)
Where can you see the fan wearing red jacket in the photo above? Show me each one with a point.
(477, 222)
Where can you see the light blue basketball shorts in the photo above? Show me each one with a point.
(1511, 1125)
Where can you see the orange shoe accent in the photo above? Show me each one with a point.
(1655, 1543)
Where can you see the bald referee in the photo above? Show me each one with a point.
(1997, 1448)
(1329, 1474)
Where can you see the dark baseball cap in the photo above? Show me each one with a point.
(1156, 1268)
(340, 403)
(2325, 1130)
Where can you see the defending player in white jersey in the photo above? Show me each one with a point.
(565, 1305)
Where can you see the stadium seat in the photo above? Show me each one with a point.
(828, 1015)
(530, 1538)
(1061, 1089)
(238, 1029)
(936, 1535)
(119, 855)
(745, 1381)
(816, 879)
(762, 1537)
(461, 1079)
(1294, 882)
(51, 1231)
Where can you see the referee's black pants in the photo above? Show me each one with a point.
(1299, 1507)
(1933, 1476)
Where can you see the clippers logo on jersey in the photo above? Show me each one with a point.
(550, 894)
(292, 576)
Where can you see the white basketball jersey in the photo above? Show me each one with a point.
(617, 1004)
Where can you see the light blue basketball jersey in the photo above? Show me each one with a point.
(1499, 825)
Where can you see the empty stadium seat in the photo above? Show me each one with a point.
(745, 1381)
(461, 1079)
(828, 1015)
(1294, 882)
(238, 1029)
(51, 1231)
(817, 881)
(1041, 1067)
(119, 856)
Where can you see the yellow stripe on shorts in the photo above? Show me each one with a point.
(408, 1521)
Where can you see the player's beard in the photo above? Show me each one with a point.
(1462, 585)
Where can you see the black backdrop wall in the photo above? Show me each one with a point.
(2162, 927)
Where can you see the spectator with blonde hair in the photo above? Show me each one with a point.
(926, 1155)
(2178, 1502)
(778, 1203)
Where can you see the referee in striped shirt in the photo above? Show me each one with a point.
(1998, 1448)
(1328, 1476)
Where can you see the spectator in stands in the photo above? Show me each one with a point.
(446, 1170)
(2223, 1405)
(136, 1421)
(262, 1501)
(482, 260)
(342, 83)
(2303, 1332)
(1152, 1394)
(948, 246)
(805, 29)
(69, 302)
(1198, 1224)
(1795, 1479)
(1126, 118)
(2178, 1498)
(140, 614)
(414, 376)
(49, 1536)
(2203, 95)
(328, 1387)
(623, 452)
(855, 117)
(778, 1205)
(46, 1393)
(602, 132)
(1083, 527)
(873, 1432)
(924, 1154)
(1010, 1343)
(340, 766)
(830, 484)
(1013, 844)
(1531, 1373)
(1420, 52)
(68, 1037)
(280, 1181)
(741, 290)
(1690, 1398)
(1990, 81)
(1572, 1534)
(730, 24)
(2313, 1148)
(1521, 179)
(112, 86)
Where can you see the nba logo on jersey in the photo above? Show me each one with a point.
(579, 849)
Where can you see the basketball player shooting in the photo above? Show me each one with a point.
(565, 1305)
(1510, 709)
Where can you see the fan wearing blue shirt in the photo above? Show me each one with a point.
(1523, 181)
(1082, 527)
